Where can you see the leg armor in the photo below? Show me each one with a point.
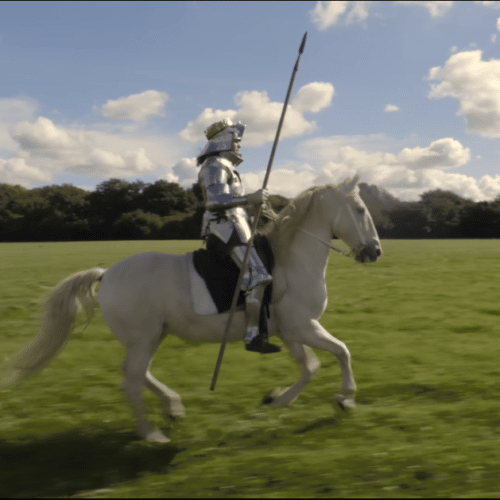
(256, 273)
(254, 283)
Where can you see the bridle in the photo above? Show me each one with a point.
(334, 247)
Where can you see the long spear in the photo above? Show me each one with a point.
(256, 221)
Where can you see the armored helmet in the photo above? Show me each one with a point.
(223, 137)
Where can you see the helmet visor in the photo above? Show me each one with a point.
(239, 129)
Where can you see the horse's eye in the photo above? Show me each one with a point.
(361, 211)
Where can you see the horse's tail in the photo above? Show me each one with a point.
(60, 309)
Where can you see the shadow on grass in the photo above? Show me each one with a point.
(321, 423)
(72, 462)
(411, 391)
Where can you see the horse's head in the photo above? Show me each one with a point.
(351, 221)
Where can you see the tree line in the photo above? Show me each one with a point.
(438, 214)
(122, 210)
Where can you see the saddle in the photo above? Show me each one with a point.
(220, 274)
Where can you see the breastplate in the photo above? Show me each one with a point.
(210, 170)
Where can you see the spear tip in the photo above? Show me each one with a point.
(302, 45)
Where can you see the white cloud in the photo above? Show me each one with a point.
(184, 172)
(359, 12)
(313, 97)
(463, 185)
(406, 174)
(282, 181)
(107, 164)
(327, 14)
(261, 115)
(391, 108)
(490, 4)
(136, 107)
(44, 138)
(53, 149)
(401, 182)
(13, 110)
(498, 24)
(444, 153)
(490, 186)
(476, 84)
(16, 171)
(435, 8)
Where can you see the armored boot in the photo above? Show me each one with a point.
(255, 340)
(254, 283)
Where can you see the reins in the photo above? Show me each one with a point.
(333, 247)
(329, 245)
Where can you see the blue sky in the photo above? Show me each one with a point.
(404, 94)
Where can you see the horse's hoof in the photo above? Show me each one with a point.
(174, 416)
(267, 399)
(174, 412)
(345, 402)
(157, 436)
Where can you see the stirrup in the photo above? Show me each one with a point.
(259, 344)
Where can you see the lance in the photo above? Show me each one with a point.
(255, 221)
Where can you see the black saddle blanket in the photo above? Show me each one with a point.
(220, 273)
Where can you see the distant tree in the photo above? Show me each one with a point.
(65, 218)
(442, 210)
(167, 198)
(109, 201)
(11, 211)
(196, 190)
(407, 223)
(180, 227)
(119, 209)
(137, 225)
(33, 210)
(481, 220)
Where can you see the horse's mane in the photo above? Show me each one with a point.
(283, 226)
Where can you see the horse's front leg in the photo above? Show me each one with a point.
(315, 336)
(309, 365)
(319, 337)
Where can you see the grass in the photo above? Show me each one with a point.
(421, 325)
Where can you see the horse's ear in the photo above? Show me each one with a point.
(349, 184)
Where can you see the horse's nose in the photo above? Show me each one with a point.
(373, 252)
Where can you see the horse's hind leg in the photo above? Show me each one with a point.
(136, 364)
(172, 403)
(309, 365)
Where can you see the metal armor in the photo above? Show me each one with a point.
(221, 187)
(226, 218)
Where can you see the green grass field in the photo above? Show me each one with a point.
(421, 324)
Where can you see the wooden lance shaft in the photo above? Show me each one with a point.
(255, 222)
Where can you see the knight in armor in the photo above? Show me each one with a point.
(227, 219)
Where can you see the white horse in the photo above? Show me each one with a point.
(147, 295)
